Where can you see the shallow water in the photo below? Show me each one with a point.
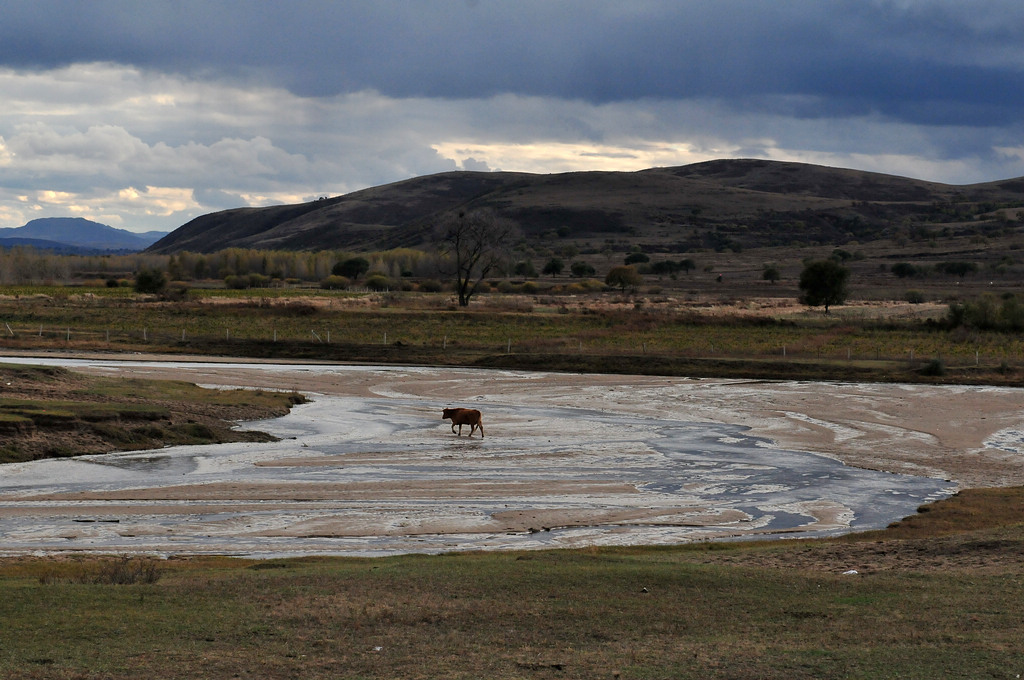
(359, 475)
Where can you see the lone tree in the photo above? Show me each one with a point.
(352, 268)
(150, 281)
(554, 267)
(624, 277)
(474, 244)
(823, 282)
(580, 269)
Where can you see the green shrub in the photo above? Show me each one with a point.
(352, 268)
(379, 282)
(431, 286)
(150, 281)
(335, 282)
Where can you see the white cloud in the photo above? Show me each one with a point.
(552, 157)
(144, 150)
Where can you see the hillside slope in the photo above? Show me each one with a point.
(716, 204)
(75, 234)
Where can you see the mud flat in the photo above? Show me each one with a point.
(368, 468)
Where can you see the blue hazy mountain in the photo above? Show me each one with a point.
(76, 235)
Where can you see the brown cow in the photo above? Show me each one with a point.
(464, 416)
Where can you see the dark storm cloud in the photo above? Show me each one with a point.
(146, 114)
(927, 62)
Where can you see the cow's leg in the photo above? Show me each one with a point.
(453, 428)
(460, 429)
(481, 426)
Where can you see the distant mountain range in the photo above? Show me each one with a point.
(724, 204)
(75, 235)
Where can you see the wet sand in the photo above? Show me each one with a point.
(971, 435)
(569, 460)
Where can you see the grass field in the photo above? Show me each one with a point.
(934, 596)
(607, 331)
(49, 412)
(776, 610)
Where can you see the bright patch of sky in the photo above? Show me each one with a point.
(143, 116)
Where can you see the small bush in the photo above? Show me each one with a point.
(431, 286)
(935, 367)
(335, 282)
(124, 571)
(149, 281)
(127, 571)
(915, 297)
(379, 282)
(198, 431)
(177, 291)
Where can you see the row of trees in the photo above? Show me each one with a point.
(988, 312)
(952, 268)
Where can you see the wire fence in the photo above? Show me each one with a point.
(374, 342)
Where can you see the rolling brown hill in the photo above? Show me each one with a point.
(724, 204)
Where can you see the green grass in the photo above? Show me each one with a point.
(53, 412)
(301, 328)
(715, 610)
(576, 614)
(47, 411)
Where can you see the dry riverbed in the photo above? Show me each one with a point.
(569, 460)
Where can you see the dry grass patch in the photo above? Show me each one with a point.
(53, 412)
(708, 611)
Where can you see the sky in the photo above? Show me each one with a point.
(145, 114)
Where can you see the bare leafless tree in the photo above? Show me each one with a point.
(474, 245)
